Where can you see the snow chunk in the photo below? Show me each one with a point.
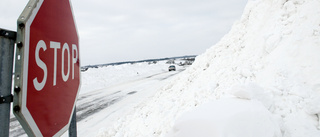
(252, 91)
(227, 118)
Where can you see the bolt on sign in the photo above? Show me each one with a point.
(47, 68)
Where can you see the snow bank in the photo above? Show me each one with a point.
(270, 59)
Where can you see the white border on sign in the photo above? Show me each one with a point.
(24, 109)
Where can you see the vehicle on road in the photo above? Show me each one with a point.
(172, 68)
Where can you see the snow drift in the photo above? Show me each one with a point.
(269, 63)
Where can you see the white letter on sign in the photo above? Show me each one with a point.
(74, 58)
(65, 76)
(55, 46)
(39, 85)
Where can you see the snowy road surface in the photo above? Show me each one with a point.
(99, 108)
(119, 99)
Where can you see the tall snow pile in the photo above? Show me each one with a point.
(262, 79)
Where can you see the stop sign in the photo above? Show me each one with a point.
(48, 67)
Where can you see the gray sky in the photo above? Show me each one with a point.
(126, 30)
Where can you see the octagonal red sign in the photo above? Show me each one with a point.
(51, 67)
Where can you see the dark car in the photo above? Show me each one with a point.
(172, 68)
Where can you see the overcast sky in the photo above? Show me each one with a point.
(126, 30)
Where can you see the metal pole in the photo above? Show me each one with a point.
(7, 40)
(73, 124)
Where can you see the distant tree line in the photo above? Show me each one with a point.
(188, 61)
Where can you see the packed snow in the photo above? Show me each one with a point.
(262, 79)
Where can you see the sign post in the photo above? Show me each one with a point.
(73, 125)
(47, 67)
(7, 39)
